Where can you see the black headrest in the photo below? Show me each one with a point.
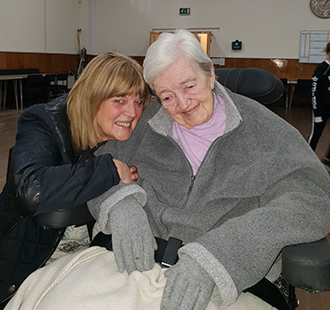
(255, 83)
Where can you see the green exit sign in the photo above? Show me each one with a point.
(184, 11)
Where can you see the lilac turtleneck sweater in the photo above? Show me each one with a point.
(196, 141)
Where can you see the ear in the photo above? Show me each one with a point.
(212, 79)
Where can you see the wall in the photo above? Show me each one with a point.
(22, 25)
(267, 28)
(41, 34)
(62, 19)
(48, 26)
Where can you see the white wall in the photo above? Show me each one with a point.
(22, 25)
(62, 22)
(86, 24)
(45, 26)
(267, 28)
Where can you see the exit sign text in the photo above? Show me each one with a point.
(184, 11)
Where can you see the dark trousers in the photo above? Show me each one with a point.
(317, 129)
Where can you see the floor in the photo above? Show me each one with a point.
(8, 121)
(296, 116)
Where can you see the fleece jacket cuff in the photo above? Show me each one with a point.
(119, 196)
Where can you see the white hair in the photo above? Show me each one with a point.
(166, 50)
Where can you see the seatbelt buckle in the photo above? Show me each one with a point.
(170, 256)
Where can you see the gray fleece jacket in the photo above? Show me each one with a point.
(259, 188)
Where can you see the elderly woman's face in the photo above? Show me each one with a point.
(118, 116)
(186, 93)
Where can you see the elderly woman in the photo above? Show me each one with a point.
(222, 173)
(52, 166)
(218, 171)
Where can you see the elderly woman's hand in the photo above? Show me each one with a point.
(188, 286)
(133, 242)
(126, 174)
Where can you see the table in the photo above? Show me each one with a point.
(18, 87)
(291, 86)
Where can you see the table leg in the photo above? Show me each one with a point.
(21, 92)
(289, 94)
(20, 98)
(0, 94)
(5, 94)
(293, 86)
(16, 93)
(287, 89)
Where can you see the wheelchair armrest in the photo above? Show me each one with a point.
(62, 218)
(307, 265)
(255, 83)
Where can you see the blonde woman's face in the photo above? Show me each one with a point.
(118, 117)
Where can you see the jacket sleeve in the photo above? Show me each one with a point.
(316, 91)
(296, 209)
(42, 181)
(101, 207)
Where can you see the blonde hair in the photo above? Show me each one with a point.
(106, 76)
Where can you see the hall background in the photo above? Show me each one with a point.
(269, 30)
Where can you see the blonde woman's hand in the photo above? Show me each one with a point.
(126, 174)
(134, 173)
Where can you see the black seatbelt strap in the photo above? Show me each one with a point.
(166, 253)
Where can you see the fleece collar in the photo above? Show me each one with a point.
(162, 123)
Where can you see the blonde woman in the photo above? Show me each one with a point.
(52, 166)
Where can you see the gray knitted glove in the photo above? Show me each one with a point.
(132, 240)
(188, 286)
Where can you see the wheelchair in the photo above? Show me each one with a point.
(305, 266)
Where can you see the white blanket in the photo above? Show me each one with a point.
(89, 280)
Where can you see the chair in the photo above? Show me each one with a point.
(3, 94)
(255, 83)
(61, 84)
(17, 85)
(49, 87)
(266, 87)
(306, 266)
(31, 70)
(71, 80)
(78, 216)
(286, 93)
(301, 92)
(34, 89)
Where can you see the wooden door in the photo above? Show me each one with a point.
(205, 39)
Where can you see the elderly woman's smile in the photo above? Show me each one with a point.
(186, 93)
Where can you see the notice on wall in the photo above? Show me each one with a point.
(312, 44)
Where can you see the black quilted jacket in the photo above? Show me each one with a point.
(44, 175)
